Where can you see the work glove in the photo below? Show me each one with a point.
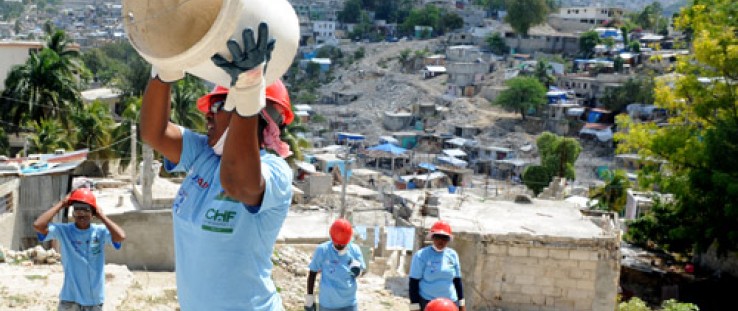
(355, 267)
(167, 76)
(309, 302)
(247, 94)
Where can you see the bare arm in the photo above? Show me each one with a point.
(156, 130)
(116, 232)
(240, 166)
(41, 225)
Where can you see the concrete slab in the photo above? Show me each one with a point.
(542, 218)
(305, 228)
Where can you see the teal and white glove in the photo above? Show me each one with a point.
(247, 95)
(355, 267)
(309, 302)
(167, 76)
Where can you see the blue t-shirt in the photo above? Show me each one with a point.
(223, 248)
(83, 259)
(337, 284)
(436, 272)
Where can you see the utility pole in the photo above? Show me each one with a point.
(134, 160)
(344, 180)
(147, 175)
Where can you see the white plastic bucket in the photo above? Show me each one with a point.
(182, 35)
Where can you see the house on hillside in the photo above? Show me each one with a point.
(580, 19)
(466, 67)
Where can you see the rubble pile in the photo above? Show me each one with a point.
(35, 255)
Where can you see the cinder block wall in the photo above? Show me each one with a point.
(524, 272)
(149, 243)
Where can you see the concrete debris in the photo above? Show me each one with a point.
(35, 255)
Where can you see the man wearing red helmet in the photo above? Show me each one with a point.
(340, 262)
(82, 249)
(235, 198)
(441, 304)
(435, 271)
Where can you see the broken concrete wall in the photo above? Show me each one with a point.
(9, 194)
(525, 272)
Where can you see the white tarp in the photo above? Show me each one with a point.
(457, 141)
(604, 135)
(454, 152)
(453, 161)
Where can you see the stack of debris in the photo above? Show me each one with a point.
(35, 255)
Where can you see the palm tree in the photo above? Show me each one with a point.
(541, 73)
(93, 129)
(47, 85)
(130, 117)
(184, 96)
(612, 195)
(49, 135)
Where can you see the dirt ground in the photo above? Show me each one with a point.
(36, 287)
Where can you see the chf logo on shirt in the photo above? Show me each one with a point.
(220, 221)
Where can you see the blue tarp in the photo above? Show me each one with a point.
(594, 117)
(427, 166)
(388, 148)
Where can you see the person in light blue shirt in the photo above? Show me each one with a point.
(236, 195)
(339, 263)
(435, 271)
(82, 248)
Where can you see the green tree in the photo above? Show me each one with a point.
(93, 126)
(351, 12)
(130, 116)
(635, 47)
(587, 43)
(524, 14)
(618, 64)
(43, 87)
(536, 178)
(49, 135)
(634, 90)
(497, 44)
(184, 110)
(4, 143)
(636, 304)
(699, 145)
(449, 21)
(612, 195)
(542, 73)
(429, 16)
(558, 154)
(522, 94)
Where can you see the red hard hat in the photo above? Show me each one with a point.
(441, 304)
(277, 93)
(83, 195)
(440, 227)
(203, 103)
(341, 232)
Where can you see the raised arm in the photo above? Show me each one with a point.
(41, 225)
(156, 130)
(240, 166)
(116, 232)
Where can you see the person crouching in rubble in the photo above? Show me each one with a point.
(236, 195)
(435, 271)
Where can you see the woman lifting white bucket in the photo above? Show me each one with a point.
(178, 36)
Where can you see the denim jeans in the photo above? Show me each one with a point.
(73, 306)
(349, 308)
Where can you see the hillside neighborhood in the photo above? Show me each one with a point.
(581, 151)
